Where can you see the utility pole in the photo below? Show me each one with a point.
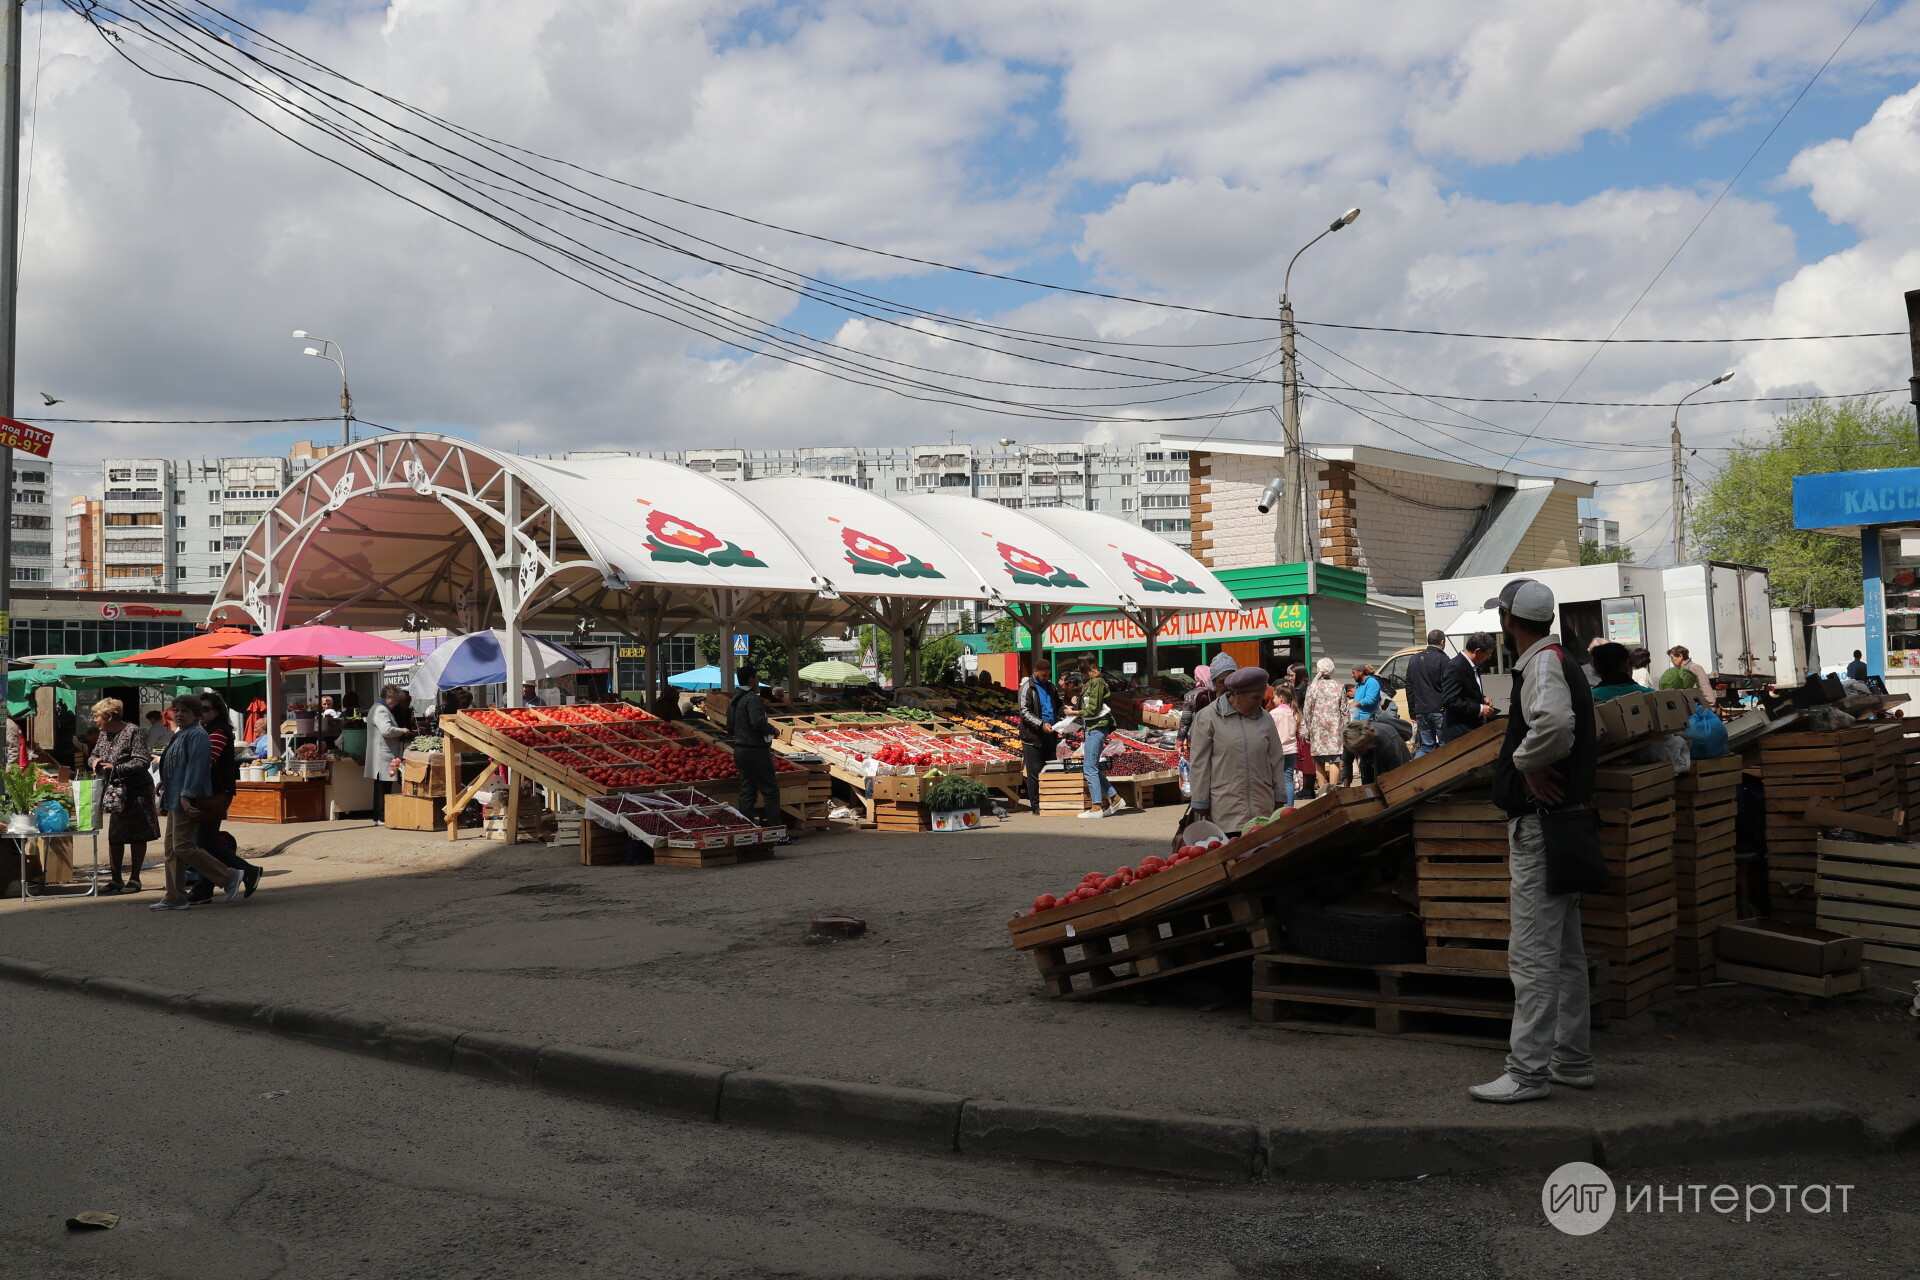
(9, 299)
(1294, 530)
(1913, 340)
(1297, 542)
(1680, 473)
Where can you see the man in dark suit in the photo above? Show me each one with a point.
(1463, 704)
(1426, 693)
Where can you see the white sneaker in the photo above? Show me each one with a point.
(1571, 1081)
(1093, 813)
(1507, 1089)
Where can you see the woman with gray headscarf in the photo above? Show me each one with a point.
(1208, 681)
(1323, 719)
(1239, 767)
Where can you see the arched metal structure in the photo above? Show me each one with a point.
(465, 535)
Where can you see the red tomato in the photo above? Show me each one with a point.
(1045, 902)
(1110, 883)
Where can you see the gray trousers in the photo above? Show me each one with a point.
(1548, 964)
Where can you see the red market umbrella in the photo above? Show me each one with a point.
(318, 642)
(209, 649)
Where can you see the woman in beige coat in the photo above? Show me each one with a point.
(1237, 765)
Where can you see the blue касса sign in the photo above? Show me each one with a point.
(1849, 499)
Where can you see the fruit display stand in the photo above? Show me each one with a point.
(578, 752)
(681, 827)
(886, 762)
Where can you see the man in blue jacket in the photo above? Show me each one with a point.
(186, 781)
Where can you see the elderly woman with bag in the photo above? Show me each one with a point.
(122, 762)
(1323, 719)
(1239, 767)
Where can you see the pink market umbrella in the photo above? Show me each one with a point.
(319, 642)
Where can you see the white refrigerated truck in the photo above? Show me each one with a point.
(1720, 611)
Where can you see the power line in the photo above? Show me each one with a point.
(1688, 238)
(1528, 337)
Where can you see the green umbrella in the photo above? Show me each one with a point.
(833, 672)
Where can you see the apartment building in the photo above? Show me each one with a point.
(1144, 484)
(33, 531)
(83, 544)
(1604, 534)
(167, 525)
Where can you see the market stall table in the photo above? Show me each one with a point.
(280, 801)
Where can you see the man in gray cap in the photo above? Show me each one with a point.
(1546, 764)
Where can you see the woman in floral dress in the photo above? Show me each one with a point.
(1323, 719)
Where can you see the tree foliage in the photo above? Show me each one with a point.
(1745, 512)
(1592, 552)
(769, 657)
(1004, 635)
(939, 657)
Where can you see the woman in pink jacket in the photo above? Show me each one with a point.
(1287, 722)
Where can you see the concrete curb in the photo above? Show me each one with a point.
(1198, 1147)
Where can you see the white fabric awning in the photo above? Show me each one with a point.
(421, 523)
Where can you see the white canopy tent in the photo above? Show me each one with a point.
(463, 537)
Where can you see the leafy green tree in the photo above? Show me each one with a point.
(769, 657)
(1745, 513)
(1592, 552)
(939, 657)
(1004, 635)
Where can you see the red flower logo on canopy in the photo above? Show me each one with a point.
(1025, 561)
(1028, 569)
(680, 533)
(1147, 569)
(868, 547)
(1154, 578)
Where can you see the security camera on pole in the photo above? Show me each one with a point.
(1297, 541)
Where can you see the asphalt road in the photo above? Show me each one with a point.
(235, 1154)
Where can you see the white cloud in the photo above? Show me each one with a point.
(172, 244)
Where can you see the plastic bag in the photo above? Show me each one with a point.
(1706, 735)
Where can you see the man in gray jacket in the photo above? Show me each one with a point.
(186, 780)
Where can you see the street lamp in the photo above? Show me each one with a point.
(1679, 473)
(1298, 544)
(330, 350)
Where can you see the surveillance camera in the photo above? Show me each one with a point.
(1271, 494)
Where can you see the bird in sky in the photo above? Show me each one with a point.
(51, 400)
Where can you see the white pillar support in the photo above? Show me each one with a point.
(511, 598)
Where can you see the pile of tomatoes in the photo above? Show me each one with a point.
(1095, 883)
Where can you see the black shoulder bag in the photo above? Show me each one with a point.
(1575, 863)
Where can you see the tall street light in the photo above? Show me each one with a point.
(330, 350)
(1298, 543)
(1679, 473)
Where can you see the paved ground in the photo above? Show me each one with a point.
(233, 1155)
(710, 966)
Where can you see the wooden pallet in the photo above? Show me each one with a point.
(1410, 1001)
(1832, 984)
(1461, 880)
(1872, 891)
(1635, 924)
(1183, 939)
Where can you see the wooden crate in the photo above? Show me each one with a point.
(901, 815)
(1872, 891)
(1410, 1001)
(1181, 939)
(1706, 802)
(600, 847)
(1634, 925)
(1832, 984)
(1063, 792)
(1460, 869)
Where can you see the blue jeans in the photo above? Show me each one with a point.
(1289, 781)
(1098, 788)
(1429, 727)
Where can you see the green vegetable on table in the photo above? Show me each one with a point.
(426, 742)
(953, 791)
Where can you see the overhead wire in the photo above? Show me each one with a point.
(1702, 221)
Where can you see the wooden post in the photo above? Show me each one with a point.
(450, 746)
(513, 806)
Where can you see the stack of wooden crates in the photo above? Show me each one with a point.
(1063, 791)
(1634, 925)
(1706, 800)
(1797, 770)
(1906, 777)
(1460, 861)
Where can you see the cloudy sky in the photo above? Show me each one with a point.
(1524, 168)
